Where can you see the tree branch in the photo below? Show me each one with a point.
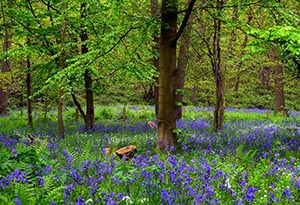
(185, 20)
(50, 6)
(78, 106)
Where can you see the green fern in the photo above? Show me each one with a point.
(26, 193)
(5, 200)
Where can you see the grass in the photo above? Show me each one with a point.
(253, 160)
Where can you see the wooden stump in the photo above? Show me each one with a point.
(126, 152)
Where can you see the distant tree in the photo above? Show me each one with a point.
(5, 64)
(88, 116)
(62, 65)
(5, 68)
(278, 82)
(212, 41)
(182, 62)
(28, 90)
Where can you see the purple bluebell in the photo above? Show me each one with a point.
(250, 193)
(287, 193)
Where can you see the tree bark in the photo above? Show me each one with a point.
(167, 139)
(88, 82)
(5, 67)
(62, 66)
(278, 82)
(218, 72)
(181, 66)
(155, 48)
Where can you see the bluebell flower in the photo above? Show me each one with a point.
(52, 202)
(40, 181)
(14, 151)
(166, 198)
(297, 184)
(65, 153)
(250, 193)
(272, 197)
(79, 201)
(287, 193)
(17, 201)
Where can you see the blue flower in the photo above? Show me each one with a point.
(165, 196)
(80, 201)
(17, 201)
(286, 193)
(250, 193)
(52, 202)
(297, 183)
(14, 150)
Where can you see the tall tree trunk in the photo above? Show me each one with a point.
(61, 67)
(5, 67)
(28, 87)
(155, 48)
(88, 82)
(167, 138)
(278, 82)
(218, 72)
(181, 66)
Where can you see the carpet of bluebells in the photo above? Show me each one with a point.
(251, 161)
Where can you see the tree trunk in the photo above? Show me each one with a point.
(278, 82)
(88, 82)
(155, 48)
(218, 73)
(181, 66)
(29, 102)
(167, 139)
(62, 66)
(89, 100)
(5, 67)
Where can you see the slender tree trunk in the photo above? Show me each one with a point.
(5, 67)
(278, 82)
(155, 15)
(90, 121)
(219, 73)
(62, 66)
(167, 139)
(28, 87)
(88, 82)
(181, 66)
